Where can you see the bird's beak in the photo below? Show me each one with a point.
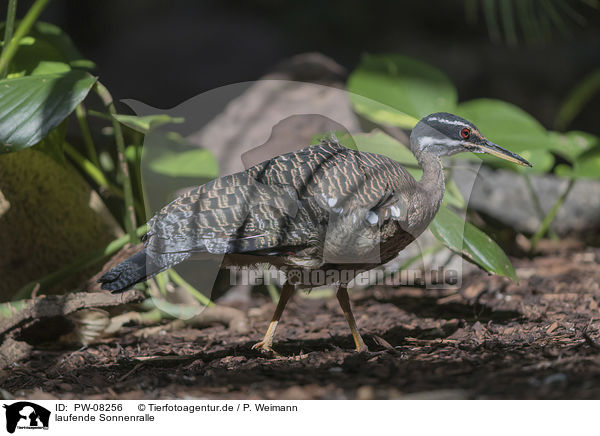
(495, 150)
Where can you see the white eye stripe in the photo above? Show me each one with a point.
(450, 122)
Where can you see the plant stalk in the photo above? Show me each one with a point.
(180, 281)
(11, 47)
(123, 169)
(87, 135)
(273, 293)
(545, 224)
(96, 174)
(537, 205)
(11, 13)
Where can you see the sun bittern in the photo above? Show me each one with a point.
(324, 207)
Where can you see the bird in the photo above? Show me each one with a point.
(325, 207)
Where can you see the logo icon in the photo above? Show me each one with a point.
(26, 415)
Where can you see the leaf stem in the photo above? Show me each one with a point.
(96, 174)
(123, 169)
(180, 281)
(547, 221)
(11, 47)
(8, 30)
(87, 135)
(273, 292)
(537, 205)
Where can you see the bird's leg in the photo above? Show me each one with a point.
(342, 296)
(265, 345)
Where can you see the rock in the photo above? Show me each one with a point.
(504, 195)
(49, 217)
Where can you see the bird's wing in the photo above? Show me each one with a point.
(282, 204)
(232, 214)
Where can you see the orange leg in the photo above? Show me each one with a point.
(344, 300)
(265, 345)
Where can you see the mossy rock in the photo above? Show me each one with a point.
(49, 216)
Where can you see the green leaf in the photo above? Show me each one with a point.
(586, 166)
(62, 42)
(30, 107)
(147, 123)
(36, 57)
(382, 143)
(512, 128)
(572, 144)
(342, 137)
(471, 243)
(198, 163)
(398, 90)
(46, 50)
(453, 196)
(46, 43)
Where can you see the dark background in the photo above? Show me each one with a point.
(163, 53)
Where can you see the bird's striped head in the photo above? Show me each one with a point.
(445, 134)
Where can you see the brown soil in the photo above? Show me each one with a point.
(493, 339)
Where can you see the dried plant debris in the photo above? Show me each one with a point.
(490, 339)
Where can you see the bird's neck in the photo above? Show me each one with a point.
(432, 183)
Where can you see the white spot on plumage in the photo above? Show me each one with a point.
(429, 140)
(332, 202)
(372, 218)
(395, 211)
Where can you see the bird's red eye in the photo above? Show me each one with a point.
(465, 133)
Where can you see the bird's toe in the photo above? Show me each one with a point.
(265, 349)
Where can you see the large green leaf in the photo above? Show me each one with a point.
(471, 243)
(30, 107)
(511, 128)
(398, 90)
(199, 163)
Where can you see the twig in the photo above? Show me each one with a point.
(590, 341)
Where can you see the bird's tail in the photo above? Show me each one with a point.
(129, 272)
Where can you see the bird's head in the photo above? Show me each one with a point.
(445, 134)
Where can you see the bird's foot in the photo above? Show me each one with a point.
(362, 348)
(265, 349)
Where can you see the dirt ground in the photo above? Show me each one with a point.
(491, 339)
